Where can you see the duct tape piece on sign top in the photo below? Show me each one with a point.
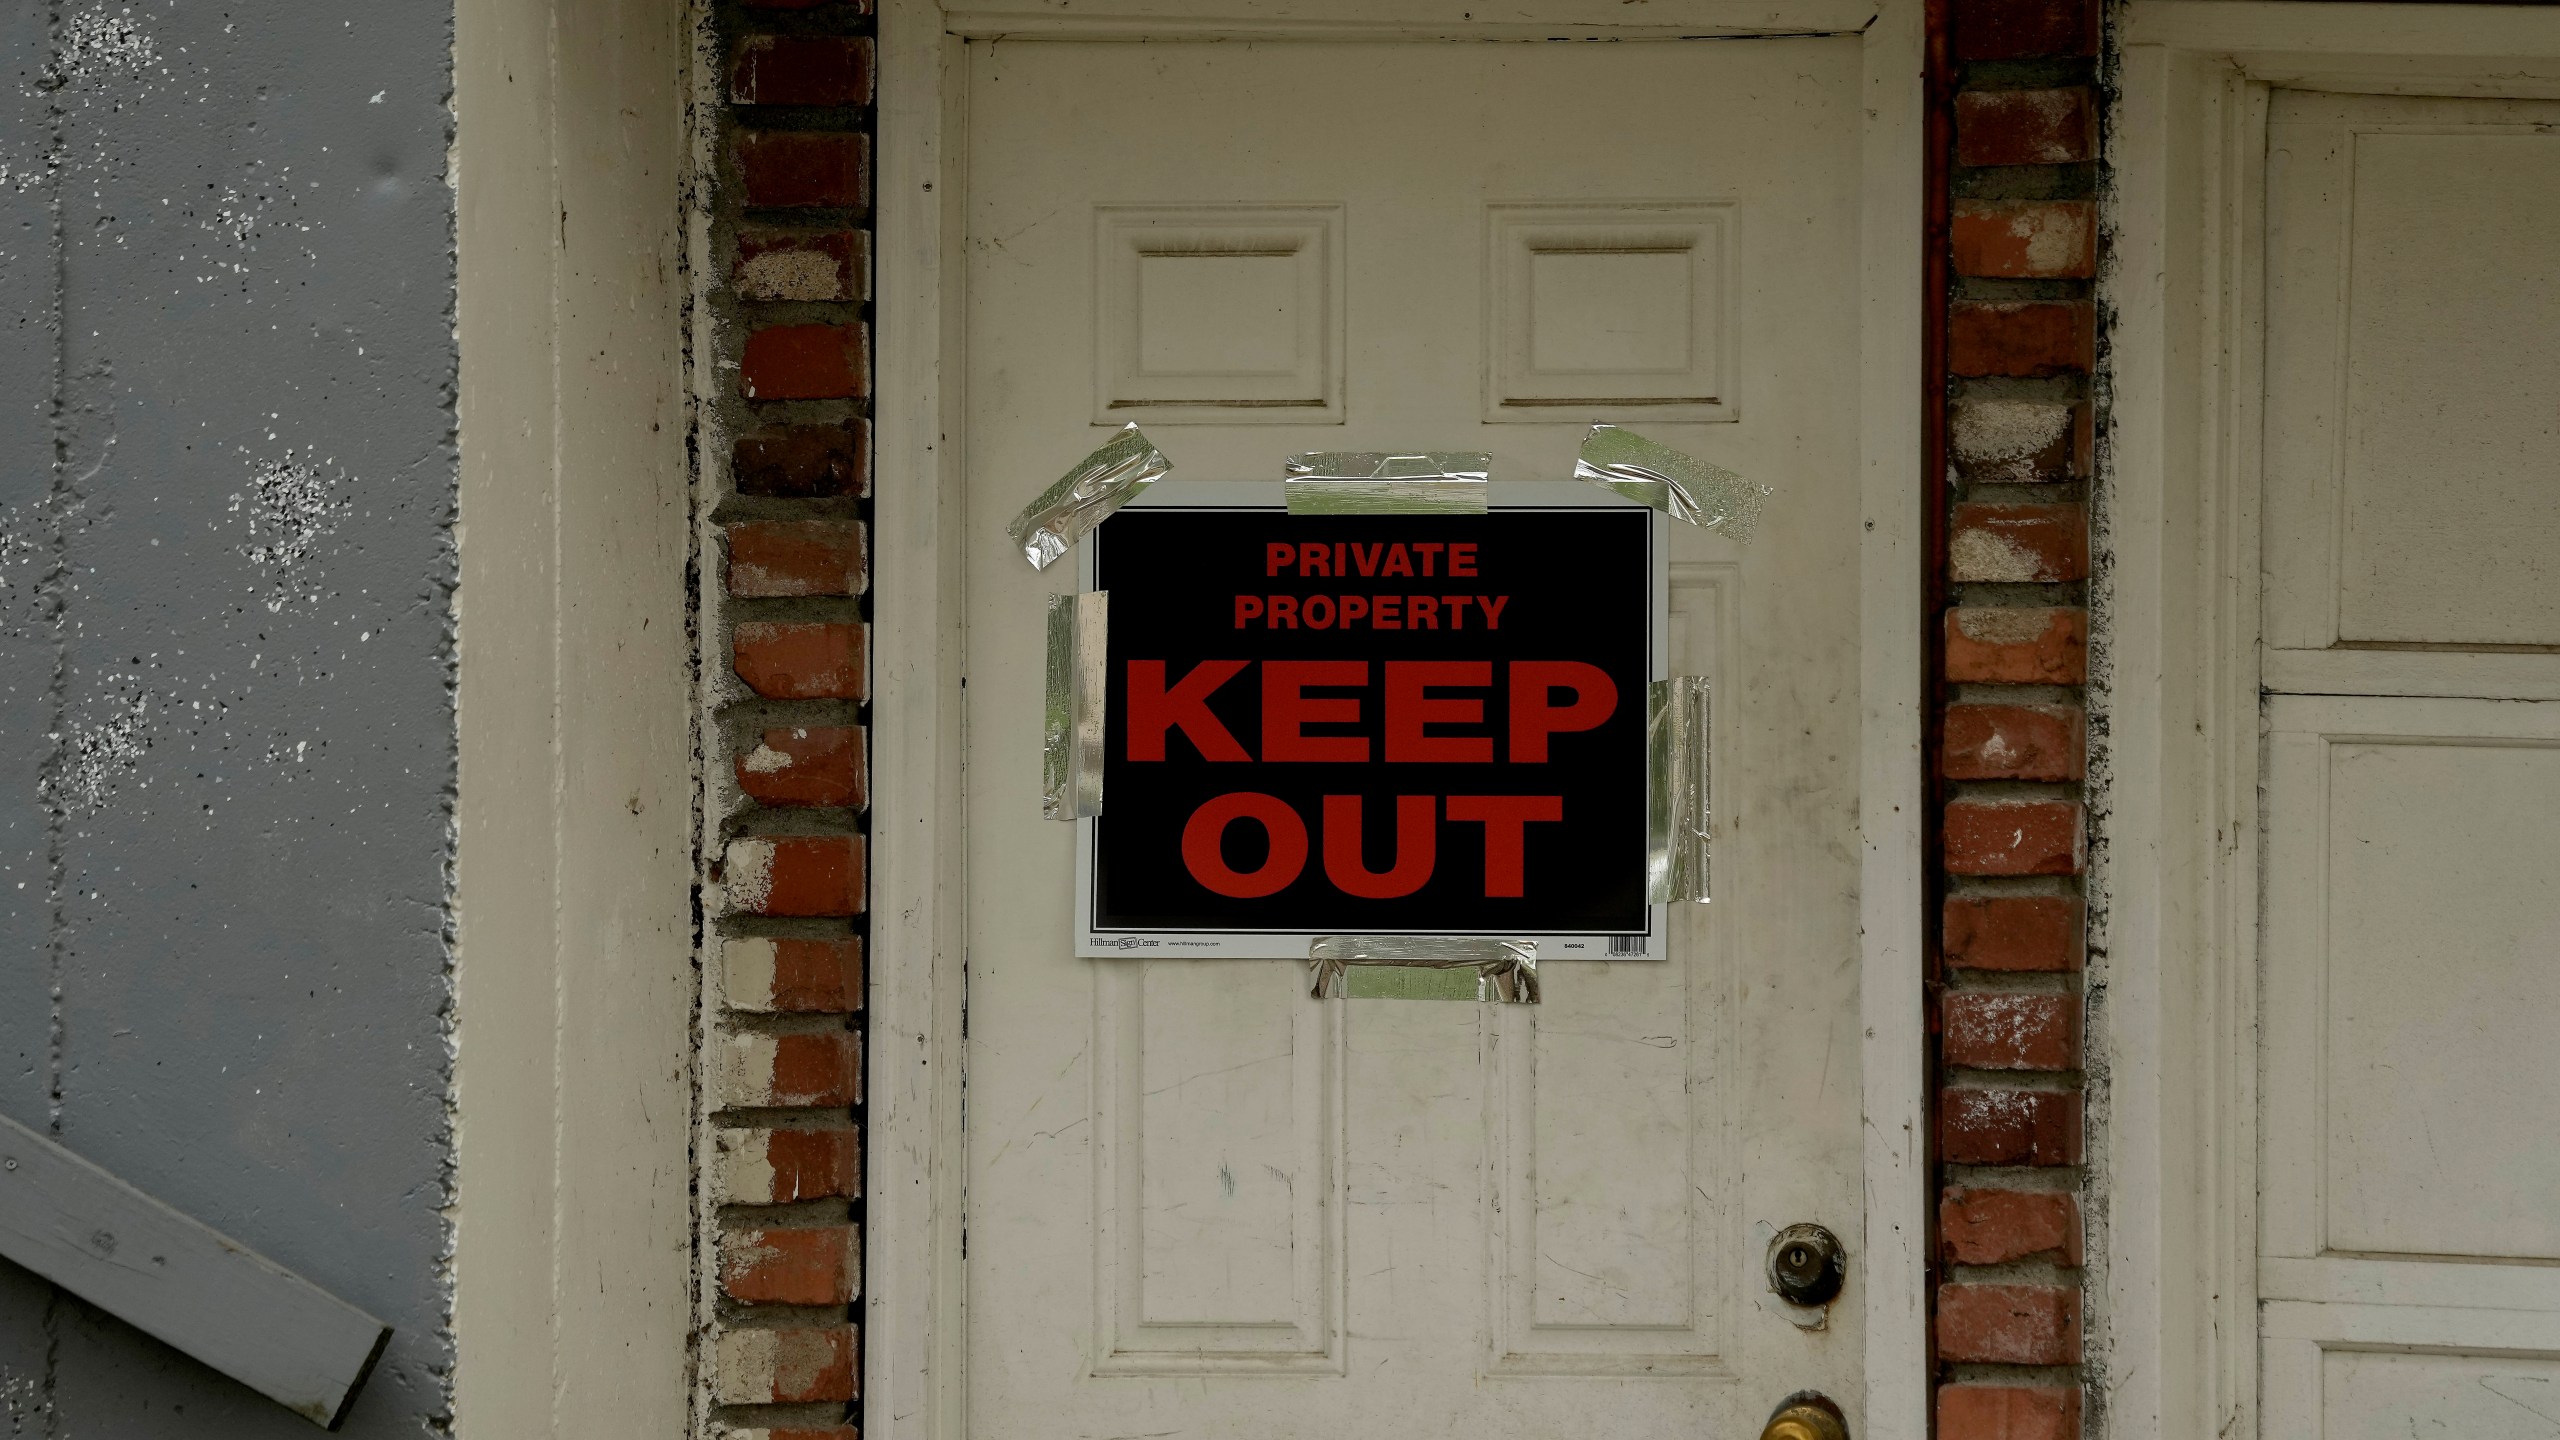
(1086, 495)
(1071, 721)
(1676, 795)
(1378, 482)
(1681, 486)
(1424, 967)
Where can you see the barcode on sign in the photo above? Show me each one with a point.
(1626, 946)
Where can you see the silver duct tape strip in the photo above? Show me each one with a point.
(1071, 723)
(1377, 482)
(1424, 967)
(1086, 495)
(1682, 486)
(1676, 792)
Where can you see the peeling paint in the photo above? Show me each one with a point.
(28, 1409)
(293, 506)
(99, 45)
(95, 758)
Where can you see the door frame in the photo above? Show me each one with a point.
(914, 1326)
(2174, 910)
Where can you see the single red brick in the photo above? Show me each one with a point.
(2003, 1412)
(1988, 1030)
(2026, 127)
(807, 765)
(2009, 1127)
(2012, 932)
(801, 660)
(2000, 645)
(823, 1070)
(814, 1164)
(2027, 338)
(795, 875)
(2009, 1324)
(2014, 837)
(2013, 742)
(801, 70)
(2019, 544)
(1991, 1227)
(2023, 29)
(2025, 239)
(804, 461)
(795, 1265)
(806, 362)
(802, 169)
(784, 1367)
(819, 975)
(798, 265)
(2001, 441)
(779, 1167)
(792, 974)
(775, 558)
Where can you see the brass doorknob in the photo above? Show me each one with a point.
(1806, 1417)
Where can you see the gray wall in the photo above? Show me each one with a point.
(226, 726)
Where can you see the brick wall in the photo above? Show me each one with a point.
(782, 443)
(2017, 250)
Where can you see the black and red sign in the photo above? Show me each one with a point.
(1397, 724)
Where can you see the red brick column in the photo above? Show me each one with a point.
(2016, 244)
(782, 437)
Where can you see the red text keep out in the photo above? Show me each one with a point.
(1431, 712)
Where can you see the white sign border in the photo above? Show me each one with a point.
(1091, 944)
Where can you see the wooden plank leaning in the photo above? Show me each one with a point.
(181, 1281)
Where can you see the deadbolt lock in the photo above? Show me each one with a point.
(1807, 1265)
(1806, 1416)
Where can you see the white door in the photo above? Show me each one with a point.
(2409, 1267)
(1201, 1203)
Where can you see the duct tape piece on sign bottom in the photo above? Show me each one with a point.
(1424, 967)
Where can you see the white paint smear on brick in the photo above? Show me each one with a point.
(1991, 625)
(746, 879)
(744, 1070)
(2001, 439)
(1986, 556)
(742, 1163)
(791, 275)
(746, 973)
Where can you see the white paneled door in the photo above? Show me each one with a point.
(2409, 1249)
(1200, 1203)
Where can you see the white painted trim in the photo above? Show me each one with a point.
(1163, 20)
(914, 1321)
(1893, 1060)
(2179, 669)
(574, 866)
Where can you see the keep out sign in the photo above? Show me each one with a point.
(1372, 725)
